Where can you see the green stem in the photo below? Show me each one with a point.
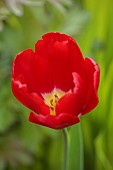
(81, 149)
(66, 148)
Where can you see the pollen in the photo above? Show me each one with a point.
(52, 98)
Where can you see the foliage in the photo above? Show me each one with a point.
(24, 145)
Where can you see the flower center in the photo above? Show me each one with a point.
(52, 98)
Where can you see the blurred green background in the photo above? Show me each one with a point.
(26, 146)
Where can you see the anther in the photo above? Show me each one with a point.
(51, 101)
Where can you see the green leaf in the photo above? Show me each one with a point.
(76, 148)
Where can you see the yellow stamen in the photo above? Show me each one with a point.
(52, 98)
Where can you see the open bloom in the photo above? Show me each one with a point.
(55, 81)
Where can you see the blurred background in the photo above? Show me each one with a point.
(22, 22)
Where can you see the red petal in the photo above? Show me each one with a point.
(63, 56)
(79, 86)
(70, 103)
(76, 59)
(56, 122)
(42, 75)
(51, 37)
(31, 100)
(92, 83)
(42, 46)
(56, 70)
(22, 66)
(60, 66)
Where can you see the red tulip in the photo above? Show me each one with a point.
(55, 81)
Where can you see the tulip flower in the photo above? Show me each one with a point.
(55, 81)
